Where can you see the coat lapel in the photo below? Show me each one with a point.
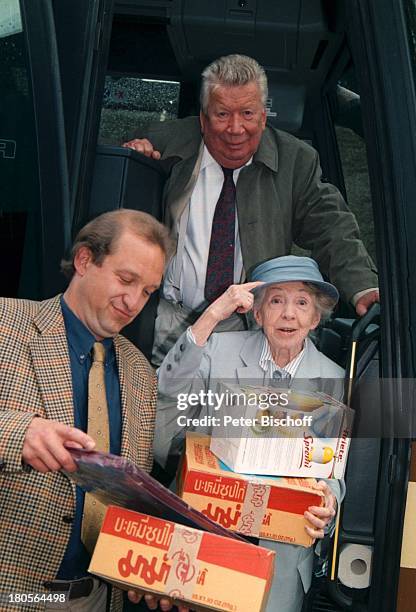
(309, 370)
(309, 373)
(126, 375)
(260, 197)
(138, 399)
(310, 366)
(250, 356)
(49, 351)
(181, 184)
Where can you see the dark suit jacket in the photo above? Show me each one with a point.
(35, 379)
(280, 199)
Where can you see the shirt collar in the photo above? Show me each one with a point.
(267, 363)
(208, 160)
(267, 152)
(79, 336)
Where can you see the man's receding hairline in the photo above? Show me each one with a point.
(124, 229)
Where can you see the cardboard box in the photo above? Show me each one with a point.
(270, 508)
(207, 571)
(282, 432)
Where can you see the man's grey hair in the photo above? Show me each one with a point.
(324, 303)
(232, 70)
(102, 233)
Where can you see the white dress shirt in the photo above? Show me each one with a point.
(198, 236)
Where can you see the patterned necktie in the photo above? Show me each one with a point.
(98, 429)
(220, 265)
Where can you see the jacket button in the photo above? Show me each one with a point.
(182, 347)
(168, 367)
(67, 518)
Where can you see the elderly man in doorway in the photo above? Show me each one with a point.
(288, 297)
(240, 193)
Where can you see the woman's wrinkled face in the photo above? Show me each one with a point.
(287, 314)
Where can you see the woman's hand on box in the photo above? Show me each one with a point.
(152, 601)
(320, 516)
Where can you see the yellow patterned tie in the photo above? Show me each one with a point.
(98, 429)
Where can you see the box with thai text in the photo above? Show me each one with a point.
(204, 570)
(270, 508)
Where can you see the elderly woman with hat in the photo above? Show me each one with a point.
(288, 297)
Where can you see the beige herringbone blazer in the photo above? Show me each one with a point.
(35, 379)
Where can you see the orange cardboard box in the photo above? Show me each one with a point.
(271, 508)
(202, 569)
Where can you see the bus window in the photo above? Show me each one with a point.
(353, 157)
(129, 101)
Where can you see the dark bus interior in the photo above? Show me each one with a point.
(80, 76)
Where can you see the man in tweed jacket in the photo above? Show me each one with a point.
(117, 261)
